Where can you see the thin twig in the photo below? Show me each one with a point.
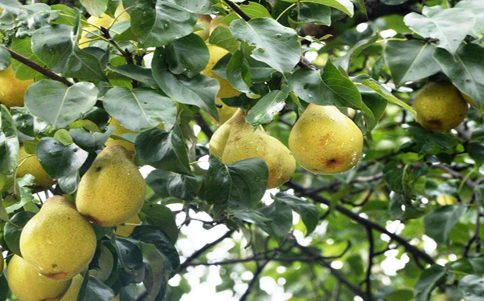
(47, 72)
(371, 254)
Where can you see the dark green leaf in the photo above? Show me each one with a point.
(129, 254)
(162, 217)
(5, 58)
(13, 230)
(163, 150)
(428, 280)
(135, 72)
(59, 160)
(9, 144)
(95, 290)
(238, 72)
(476, 151)
(188, 55)
(156, 269)
(307, 210)
(90, 141)
(471, 287)
(222, 37)
(267, 107)
(280, 215)
(95, 7)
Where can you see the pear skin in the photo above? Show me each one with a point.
(325, 141)
(58, 242)
(203, 21)
(221, 135)
(226, 90)
(31, 165)
(113, 190)
(445, 200)
(12, 90)
(244, 143)
(224, 111)
(27, 284)
(120, 130)
(74, 289)
(440, 107)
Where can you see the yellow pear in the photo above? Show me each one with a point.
(443, 297)
(203, 21)
(446, 200)
(27, 284)
(221, 135)
(325, 141)
(125, 229)
(120, 130)
(469, 100)
(31, 165)
(224, 111)
(244, 143)
(226, 90)
(440, 107)
(112, 191)
(74, 289)
(58, 241)
(12, 90)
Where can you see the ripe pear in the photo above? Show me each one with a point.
(120, 130)
(112, 191)
(74, 289)
(31, 165)
(469, 100)
(27, 284)
(325, 141)
(125, 229)
(224, 111)
(221, 135)
(12, 90)
(440, 107)
(244, 143)
(446, 200)
(226, 90)
(203, 21)
(58, 241)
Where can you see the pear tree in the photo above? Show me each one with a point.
(241, 149)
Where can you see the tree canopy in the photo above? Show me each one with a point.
(337, 144)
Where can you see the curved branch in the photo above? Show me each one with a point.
(47, 72)
(354, 216)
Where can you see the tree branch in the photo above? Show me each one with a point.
(354, 216)
(371, 255)
(47, 72)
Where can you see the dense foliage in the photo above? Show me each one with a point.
(403, 224)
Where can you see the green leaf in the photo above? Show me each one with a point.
(203, 7)
(476, 151)
(153, 235)
(471, 287)
(307, 210)
(95, 290)
(325, 87)
(5, 58)
(355, 51)
(26, 123)
(241, 184)
(188, 55)
(135, 72)
(449, 26)
(253, 10)
(56, 46)
(24, 47)
(161, 217)
(13, 229)
(440, 222)
(383, 92)
(95, 7)
(139, 109)
(222, 37)
(343, 5)
(477, 8)
(275, 45)
(160, 24)
(155, 269)
(267, 107)
(183, 187)
(313, 13)
(427, 282)
(90, 141)
(238, 72)
(400, 295)
(128, 252)
(58, 160)
(4, 291)
(163, 150)
(466, 70)
(62, 105)
(9, 144)
(280, 215)
(410, 60)
(199, 91)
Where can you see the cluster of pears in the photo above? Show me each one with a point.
(59, 242)
(441, 107)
